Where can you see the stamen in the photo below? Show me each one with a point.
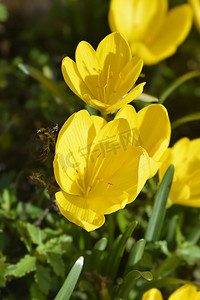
(105, 85)
(77, 171)
(99, 154)
(120, 74)
(100, 179)
(110, 183)
(111, 75)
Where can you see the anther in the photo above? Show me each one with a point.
(90, 186)
(99, 154)
(100, 179)
(120, 74)
(110, 183)
(97, 86)
(111, 75)
(105, 85)
(114, 92)
(84, 169)
(77, 171)
(100, 71)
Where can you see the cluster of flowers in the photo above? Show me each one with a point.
(102, 166)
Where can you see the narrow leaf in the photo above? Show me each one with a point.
(186, 119)
(129, 282)
(136, 253)
(177, 83)
(71, 280)
(117, 251)
(157, 217)
(147, 98)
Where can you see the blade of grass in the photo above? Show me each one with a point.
(185, 119)
(71, 280)
(157, 217)
(117, 251)
(176, 84)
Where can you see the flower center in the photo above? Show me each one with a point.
(108, 83)
(90, 179)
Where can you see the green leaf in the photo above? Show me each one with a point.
(186, 119)
(147, 98)
(58, 245)
(71, 280)
(117, 251)
(157, 217)
(35, 292)
(43, 278)
(177, 83)
(190, 253)
(129, 282)
(57, 263)
(36, 234)
(101, 244)
(136, 253)
(48, 83)
(26, 265)
(3, 267)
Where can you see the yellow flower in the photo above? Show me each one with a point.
(186, 292)
(185, 155)
(97, 167)
(103, 78)
(152, 130)
(196, 10)
(152, 32)
(101, 166)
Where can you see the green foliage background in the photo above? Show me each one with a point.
(38, 246)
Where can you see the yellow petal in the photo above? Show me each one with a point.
(126, 79)
(152, 294)
(173, 32)
(109, 201)
(194, 183)
(136, 19)
(88, 66)
(154, 167)
(196, 10)
(72, 147)
(129, 113)
(180, 193)
(114, 53)
(98, 122)
(133, 94)
(95, 103)
(108, 151)
(155, 129)
(133, 174)
(76, 210)
(73, 78)
(185, 292)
